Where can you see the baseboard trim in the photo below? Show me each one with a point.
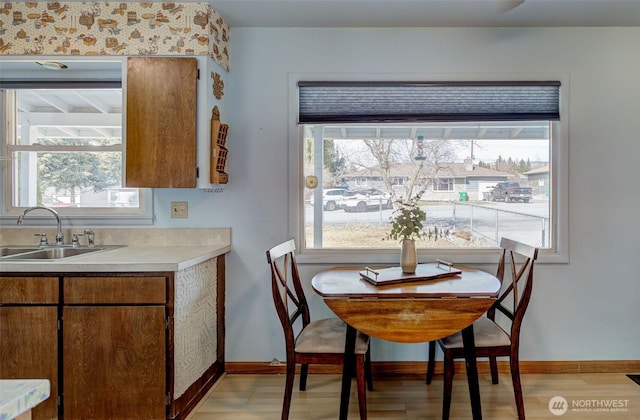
(420, 368)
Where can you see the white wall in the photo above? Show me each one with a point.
(588, 309)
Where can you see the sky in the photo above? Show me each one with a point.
(489, 150)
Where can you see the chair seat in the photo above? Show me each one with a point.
(487, 334)
(327, 336)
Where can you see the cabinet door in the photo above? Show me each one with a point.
(114, 362)
(29, 349)
(161, 122)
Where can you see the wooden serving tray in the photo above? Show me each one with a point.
(392, 275)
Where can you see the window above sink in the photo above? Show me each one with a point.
(63, 143)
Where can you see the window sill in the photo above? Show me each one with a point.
(392, 257)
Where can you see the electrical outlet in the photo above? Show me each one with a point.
(275, 362)
(179, 209)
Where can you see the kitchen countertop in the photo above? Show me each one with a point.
(124, 259)
(18, 396)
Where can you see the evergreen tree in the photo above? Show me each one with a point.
(73, 171)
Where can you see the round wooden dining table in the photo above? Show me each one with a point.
(408, 312)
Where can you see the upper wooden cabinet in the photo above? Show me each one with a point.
(161, 122)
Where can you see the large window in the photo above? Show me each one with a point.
(452, 156)
(443, 184)
(63, 148)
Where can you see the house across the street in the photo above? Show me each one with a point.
(443, 184)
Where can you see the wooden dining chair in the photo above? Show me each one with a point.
(310, 342)
(491, 340)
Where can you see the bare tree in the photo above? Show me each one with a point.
(385, 155)
(391, 158)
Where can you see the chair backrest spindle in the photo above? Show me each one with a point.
(288, 294)
(521, 259)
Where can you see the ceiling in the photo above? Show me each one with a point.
(424, 13)
(72, 114)
(427, 13)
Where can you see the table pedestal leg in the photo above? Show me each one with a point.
(472, 371)
(347, 370)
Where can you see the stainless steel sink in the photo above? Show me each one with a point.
(12, 250)
(48, 253)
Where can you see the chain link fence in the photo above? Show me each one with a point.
(493, 224)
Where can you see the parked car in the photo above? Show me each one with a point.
(331, 198)
(511, 191)
(363, 200)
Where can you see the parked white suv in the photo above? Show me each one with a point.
(331, 198)
(363, 200)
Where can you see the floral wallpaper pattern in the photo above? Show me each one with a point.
(105, 28)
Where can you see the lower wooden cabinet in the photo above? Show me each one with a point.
(114, 362)
(29, 349)
(107, 341)
(29, 334)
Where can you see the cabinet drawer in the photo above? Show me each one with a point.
(29, 289)
(115, 290)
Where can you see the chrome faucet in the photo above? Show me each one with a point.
(59, 235)
(75, 241)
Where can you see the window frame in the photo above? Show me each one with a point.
(95, 216)
(439, 182)
(399, 181)
(559, 162)
(360, 182)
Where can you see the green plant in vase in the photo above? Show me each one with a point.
(407, 220)
(407, 225)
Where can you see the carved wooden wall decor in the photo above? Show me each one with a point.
(218, 85)
(218, 149)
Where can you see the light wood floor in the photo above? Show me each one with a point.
(259, 397)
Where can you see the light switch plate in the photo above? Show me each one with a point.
(179, 209)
